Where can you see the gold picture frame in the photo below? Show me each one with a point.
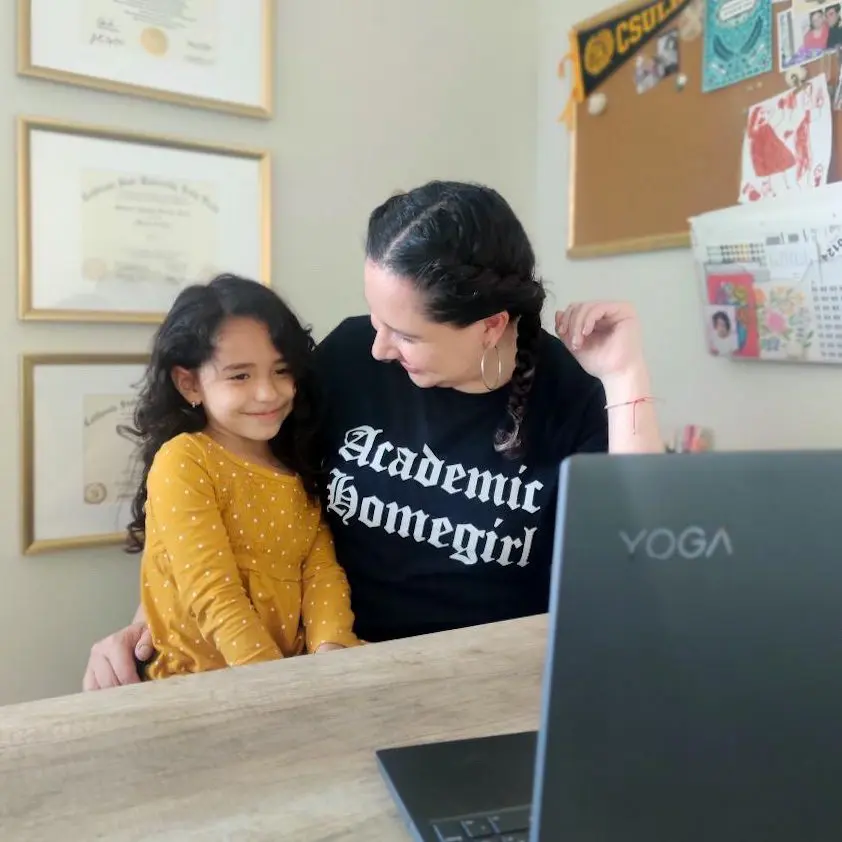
(242, 244)
(262, 108)
(61, 509)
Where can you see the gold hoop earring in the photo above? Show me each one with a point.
(491, 387)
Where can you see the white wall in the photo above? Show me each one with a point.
(372, 96)
(749, 405)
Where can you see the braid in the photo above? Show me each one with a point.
(509, 439)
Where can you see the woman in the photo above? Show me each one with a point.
(442, 468)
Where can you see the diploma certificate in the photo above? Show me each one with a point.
(175, 30)
(110, 457)
(139, 229)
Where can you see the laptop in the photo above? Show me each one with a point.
(692, 688)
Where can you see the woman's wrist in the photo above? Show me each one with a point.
(631, 384)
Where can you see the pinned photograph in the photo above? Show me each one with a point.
(723, 340)
(647, 73)
(667, 53)
(807, 35)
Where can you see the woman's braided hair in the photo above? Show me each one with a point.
(468, 255)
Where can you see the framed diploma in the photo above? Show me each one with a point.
(113, 225)
(205, 53)
(80, 471)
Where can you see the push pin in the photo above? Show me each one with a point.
(796, 77)
(681, 81)
(597, 103)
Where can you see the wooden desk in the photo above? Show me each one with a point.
(280, 751)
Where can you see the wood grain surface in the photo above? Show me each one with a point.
(278, 751)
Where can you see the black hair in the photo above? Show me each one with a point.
(721, 316)
(186, 338)
(467, 254)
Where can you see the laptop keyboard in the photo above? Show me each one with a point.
(510, 825)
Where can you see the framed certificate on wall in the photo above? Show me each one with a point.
(114, 224)
(80, 466)
(205, 53)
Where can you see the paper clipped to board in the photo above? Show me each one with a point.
(771, 277)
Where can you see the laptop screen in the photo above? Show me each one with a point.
(693, 687)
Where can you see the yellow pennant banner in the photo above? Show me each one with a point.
(598, 50)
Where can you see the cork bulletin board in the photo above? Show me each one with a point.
(649, 161)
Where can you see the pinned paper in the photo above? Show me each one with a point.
(730, 292)
(737, 42)
(787, 143)
(785, 321)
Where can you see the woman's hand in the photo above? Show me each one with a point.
(112, 659)
(604, 336)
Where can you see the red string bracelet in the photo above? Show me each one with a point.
(633, 404)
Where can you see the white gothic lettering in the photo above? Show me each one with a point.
(468, 543)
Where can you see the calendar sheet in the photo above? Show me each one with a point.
(771, 279)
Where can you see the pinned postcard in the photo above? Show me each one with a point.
(787, 143)
(731, 311)
(737, 42)
(785, 321)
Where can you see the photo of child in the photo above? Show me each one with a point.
(722, 332)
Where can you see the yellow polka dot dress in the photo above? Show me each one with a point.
(238, 567)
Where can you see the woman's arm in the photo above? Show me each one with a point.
(605, 338)
(632, 417)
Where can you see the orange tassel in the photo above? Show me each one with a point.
(576, 86)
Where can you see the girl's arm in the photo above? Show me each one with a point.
(326, 605)
(184, 511)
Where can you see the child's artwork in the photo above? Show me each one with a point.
(787, 143)
(737, 42)
(785, 322)
(732, 317)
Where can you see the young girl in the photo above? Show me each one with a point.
(238, 565)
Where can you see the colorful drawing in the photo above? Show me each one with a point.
(785, 322)
(735, 290)
(787, 143)
(737, 42)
